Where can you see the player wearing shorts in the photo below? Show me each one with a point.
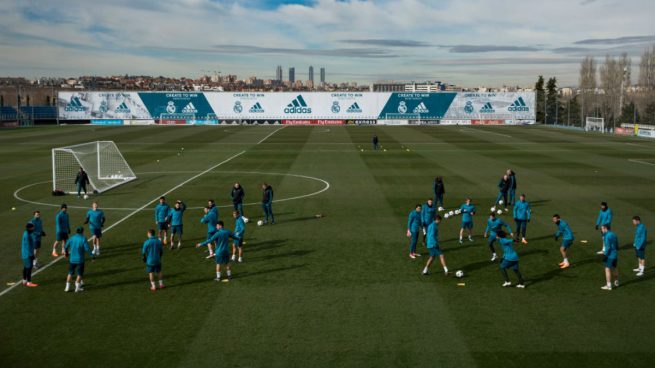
(76, 248)
(413, 228)
(152, 252)
(564, 231)
(433, 246)
(222, 238)
(494, 225)
(640, 245)
(468, 211)
(96, 220)
(510, 260)
(62, 230)
(177, 226)
(610, 257)
(162, 213)
(239, 234)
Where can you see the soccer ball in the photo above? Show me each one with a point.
(86, 196)
(457, 212)
(451, 213)
(245, 219)
(493, 209)
(500, 202)
(500, 212)
(446, 215)
(459, 274)
(260, 223)
(440, 209)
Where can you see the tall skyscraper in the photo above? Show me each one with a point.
(322, 75)
(292, 75)
(278, 73)
(311, 73)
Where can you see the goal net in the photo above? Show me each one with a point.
(102, 161)
(176, 119)
(594, 125)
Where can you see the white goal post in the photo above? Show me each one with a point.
(594, 124)
(103, 162)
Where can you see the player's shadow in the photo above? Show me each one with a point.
(635, 279)
(141, 280)
(265, 272)
(556, 272)
(267, 245)
(459, 247)
(539, 203)
(295, 253)
(304, 218)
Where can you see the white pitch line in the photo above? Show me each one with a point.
(132, 214)
(268, 136)
(327, 186)
(641, 162)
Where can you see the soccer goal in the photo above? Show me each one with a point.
(102, 161)
(594, 124)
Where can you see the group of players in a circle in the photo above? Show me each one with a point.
(169, 227)
(426, 219)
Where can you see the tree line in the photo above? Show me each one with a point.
(604, 90)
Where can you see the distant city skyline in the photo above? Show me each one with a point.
(479, 43)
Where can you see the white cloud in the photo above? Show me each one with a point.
(135, 36)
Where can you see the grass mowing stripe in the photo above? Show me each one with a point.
(134, 212)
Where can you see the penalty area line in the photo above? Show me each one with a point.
(108, 228)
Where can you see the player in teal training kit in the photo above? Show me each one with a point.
(37, 234)
(522, 214)
(267, 203)
(211, 220)
(413, 227)
(76, 248)
(510, 260)
(96, 220)
(494, 225)
(162, 218)
(151, 252)
(564, 231)
(27, 254)
(177, 225)
(468, 211)
(239, 234)
(604, 218)
(640, 245)
(428, 212)
(432, 244)
(62, 229)
(610, 257)
(222, 238)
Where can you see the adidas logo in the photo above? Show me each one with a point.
(421, 109)
(354, 108)
(298, 106)
(256, 108)
(75, 105)
(122, 108)
(189, 108)
(487, 108)
(518, 105)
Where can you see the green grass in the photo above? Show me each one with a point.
(340, 290)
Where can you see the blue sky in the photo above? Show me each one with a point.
(467, 42)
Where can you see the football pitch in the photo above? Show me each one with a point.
(337, 290)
